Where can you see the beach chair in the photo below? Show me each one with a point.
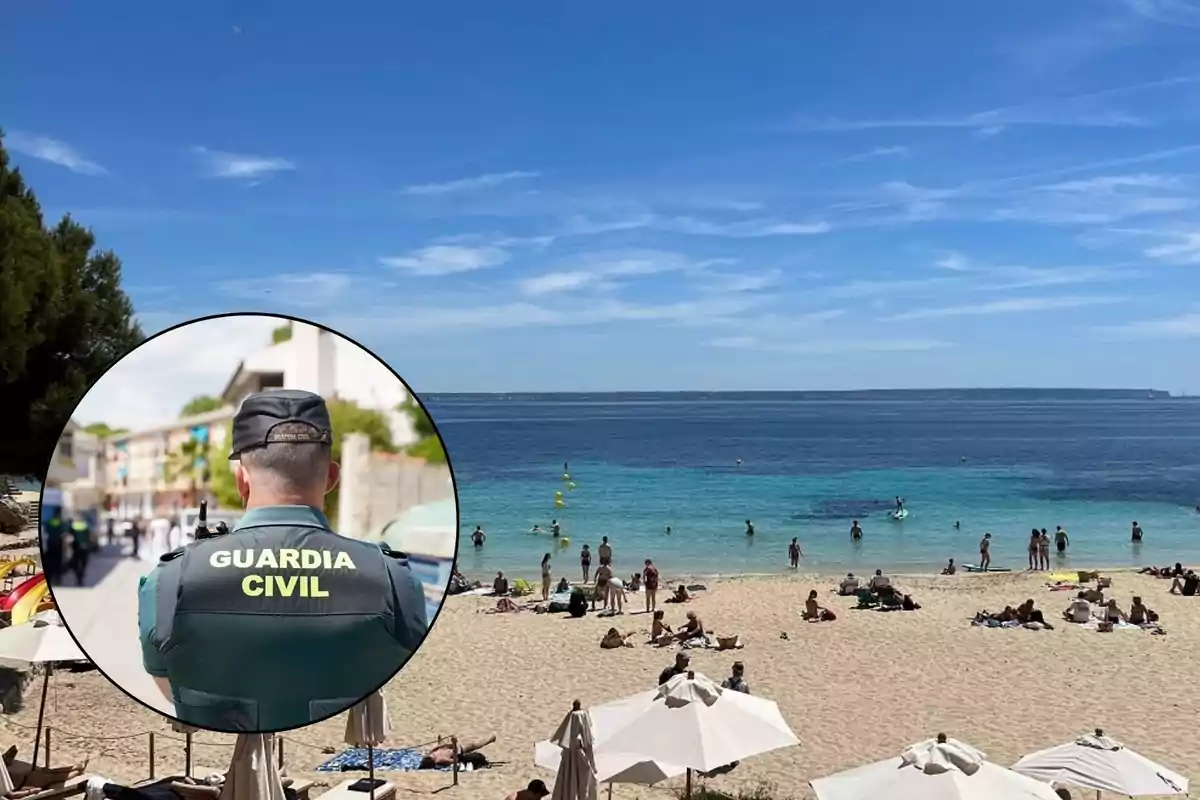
(385, 791)
(866, 599)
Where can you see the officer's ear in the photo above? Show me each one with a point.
(331, 477)
(242, 479)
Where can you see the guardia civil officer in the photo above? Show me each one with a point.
(281, 622)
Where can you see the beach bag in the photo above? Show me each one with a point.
(827, 615)
(577, 606)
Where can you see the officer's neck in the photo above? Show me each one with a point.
(285, 499)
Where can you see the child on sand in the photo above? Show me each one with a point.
(813, 612)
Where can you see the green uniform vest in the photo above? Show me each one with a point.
(278, 625)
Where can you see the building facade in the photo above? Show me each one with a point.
(162, 470)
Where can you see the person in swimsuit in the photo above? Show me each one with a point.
(1136, 533)
(546, 577)
(1044, 549)
(855, 531)
(478, 537)
(1035, 543)
(794, 553)
(604, 574)
(555, 528)
(957, 525)
(1188, 585)
(585, 561)
(650, 582)
(749, 528)
(985, 554)
(692, 628)
(1139, 614)
(1060, 539)
(660, 631)
(605, 552)
(443, 755)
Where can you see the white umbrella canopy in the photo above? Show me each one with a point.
(936, 769)
(252, 774)
(693, 723)
(368, 724)
(1097, 762)
(39, 641)
(576, 778)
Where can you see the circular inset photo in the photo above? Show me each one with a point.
(249, 524)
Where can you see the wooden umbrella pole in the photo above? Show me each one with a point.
(187, 754)
(37, 742)
(370, 749)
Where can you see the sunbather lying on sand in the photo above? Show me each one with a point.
(1027, 613)
(691, 629)
(614, 639)
(681, 595)
(814, 612)
(30, 779)
(468, 753)
(1163, 572)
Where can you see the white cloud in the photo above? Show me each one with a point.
(484, 181)
(1186, 326)
(311, 290)
(1012, 306)
(444, 259)
(954, 262)
(54, 151)
(605, 271)
(1179, 13)
(1183, 249)
(831, 346)
(221, 164)
(875, 152)
(150, 385)
(858, 289)
(745, 229)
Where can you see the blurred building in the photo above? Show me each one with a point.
(163, 468)
(332, 366)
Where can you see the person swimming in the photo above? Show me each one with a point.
(749, 528)
(536, 529)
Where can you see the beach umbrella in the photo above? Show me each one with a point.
(367, 725)
(6, 781)
(613, 767)
(1097, 762)
(693, 723)
(936, 769)
(576, 778)
(42, 640)
(187, 731)
(252, 773)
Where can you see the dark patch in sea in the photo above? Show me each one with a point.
(839, 508)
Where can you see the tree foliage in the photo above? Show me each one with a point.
(64, 320)
(281, 334)
(101, 430)
(429, 445)
(201, 404)
(345, 416)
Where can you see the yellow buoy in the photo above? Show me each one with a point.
(558, 494)
(566, 476)
(570, 486)
(559, 503)
(564, 541)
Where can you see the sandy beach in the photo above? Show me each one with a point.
(855, 690)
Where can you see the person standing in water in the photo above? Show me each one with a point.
(1060, 539)
(1044, 549)
(605, 552)
(668, 530)
(555, 528)
(985, 552)
(794, 553)
(1137, 532)
(749, 528)
(478, 536)
(855, 531)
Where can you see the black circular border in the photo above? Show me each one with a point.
(411, 393)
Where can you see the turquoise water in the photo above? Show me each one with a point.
(811, 466)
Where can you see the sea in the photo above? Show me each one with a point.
(806, 464)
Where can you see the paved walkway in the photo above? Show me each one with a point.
(102, 615)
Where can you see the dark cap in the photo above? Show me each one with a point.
(262, 412)
(537, 787)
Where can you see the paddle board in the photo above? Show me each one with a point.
(901, 514)
(973, 568)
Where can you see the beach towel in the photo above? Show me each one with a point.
(698, 642)
(355, 759)
(1094, 625)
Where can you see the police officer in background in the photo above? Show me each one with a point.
(282, 622)
(81, 548)
(53, 530)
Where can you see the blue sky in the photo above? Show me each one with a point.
(701, 195)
